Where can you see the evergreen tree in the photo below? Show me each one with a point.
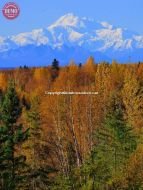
(1, 95)
(55, 69)
(39, 169)
(80, 65)
(25, 67)
(55, 64)
(12, 135)
(115, 142)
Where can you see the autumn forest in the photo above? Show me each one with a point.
(72, 142)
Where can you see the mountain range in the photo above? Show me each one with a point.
(71, 38)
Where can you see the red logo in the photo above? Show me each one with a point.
(11, 10)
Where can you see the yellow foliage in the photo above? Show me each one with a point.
(3, 81)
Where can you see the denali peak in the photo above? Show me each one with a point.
(71, 34)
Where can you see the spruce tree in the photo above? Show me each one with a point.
(39, 170)
(55, 64)
(12, 135)
(114, 143)
(55, 69)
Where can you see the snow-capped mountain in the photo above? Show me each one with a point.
(71, 37)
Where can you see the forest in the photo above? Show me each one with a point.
(72, 142)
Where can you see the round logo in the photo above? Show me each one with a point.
(11, 10)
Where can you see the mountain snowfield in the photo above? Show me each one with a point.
(71, 37)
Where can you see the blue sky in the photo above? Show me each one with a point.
(37, 14)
